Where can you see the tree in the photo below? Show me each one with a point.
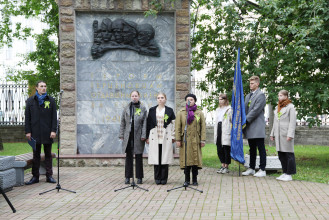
(284, 42)
(46, 56)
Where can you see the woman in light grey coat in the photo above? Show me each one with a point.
(134, 116)
(222, 133)
(283, 132)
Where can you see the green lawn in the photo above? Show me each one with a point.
(312, 161)
(12, 149)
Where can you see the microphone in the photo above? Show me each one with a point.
(188, 103)
(60, 92)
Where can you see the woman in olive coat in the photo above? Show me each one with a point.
(283, 132)
(196, 137)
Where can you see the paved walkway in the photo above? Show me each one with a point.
(224, 197)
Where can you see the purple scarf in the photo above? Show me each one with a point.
(190, 113)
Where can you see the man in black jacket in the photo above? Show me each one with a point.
(41, 125)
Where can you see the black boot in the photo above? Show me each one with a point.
(50, 179)
(127, 181)
(195, 180)
(187, 175)
(33, 180)
(195, 175)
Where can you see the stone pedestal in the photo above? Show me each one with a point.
(7, 172)
(272, 162)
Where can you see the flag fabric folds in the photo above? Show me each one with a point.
(238, 116)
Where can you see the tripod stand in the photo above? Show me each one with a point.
(58, 186)
(185, 184)
(8, 201)
(133, 184)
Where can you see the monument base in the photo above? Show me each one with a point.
(101, 160)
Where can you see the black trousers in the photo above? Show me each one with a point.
(288, 162)
(253, 145)
(195, 173)
(223, 151)
(161, 170)
(37, 158)
(129, 163)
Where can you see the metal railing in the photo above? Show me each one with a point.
(12, 103)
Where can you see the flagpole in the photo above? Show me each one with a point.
(239, 170)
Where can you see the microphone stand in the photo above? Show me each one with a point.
(133, 184)
(8, 201)
(58, 187)
(185, 184)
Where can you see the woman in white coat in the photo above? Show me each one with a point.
(222, 133)
(160, 135)
(283, 132)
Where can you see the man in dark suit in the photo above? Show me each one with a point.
(255, 129)
(41, 125)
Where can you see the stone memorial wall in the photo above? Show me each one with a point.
(104, 84)
(98, 70)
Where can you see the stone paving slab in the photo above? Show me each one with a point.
(224, 197)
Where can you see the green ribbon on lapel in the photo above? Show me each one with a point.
(47, 103)
(138, 111)
(197, 118)
(279, 115)
(166, 118)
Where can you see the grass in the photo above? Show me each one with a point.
(311, 161)
(13, 149)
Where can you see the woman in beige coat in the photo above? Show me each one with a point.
(283, 132)
(196, 138)
(222, 133)
(160, 135)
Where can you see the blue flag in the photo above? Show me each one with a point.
(238, 116)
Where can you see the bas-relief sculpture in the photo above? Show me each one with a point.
(122, 34)
(104, 84)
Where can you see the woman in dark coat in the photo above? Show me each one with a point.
(133, 127)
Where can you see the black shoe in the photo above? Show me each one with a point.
(50, 179)
(32, 181)
(163, 182)
(127, 181)
(187, 183)
(158, 182)
(139, 181)
(195, 183)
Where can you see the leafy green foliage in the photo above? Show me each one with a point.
(45, 57)
(283, 42)
(158, 6)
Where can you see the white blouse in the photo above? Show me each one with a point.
(220, 113)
